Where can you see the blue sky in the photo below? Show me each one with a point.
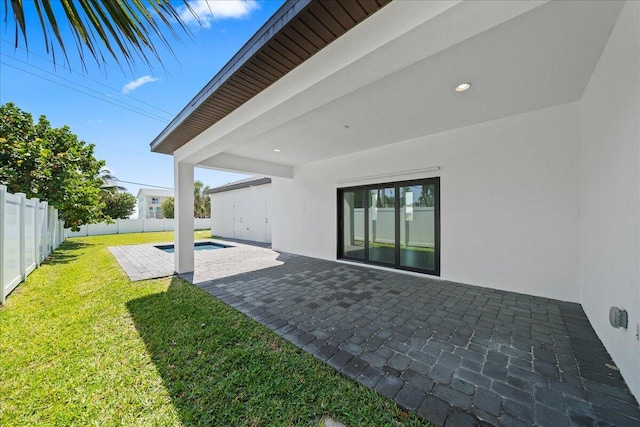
(121, 110)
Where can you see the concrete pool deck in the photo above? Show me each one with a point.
(452, 353)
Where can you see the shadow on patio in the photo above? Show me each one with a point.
(221, 368)
(452, 353)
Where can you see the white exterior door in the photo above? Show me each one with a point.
(267, 219)
(239, 222)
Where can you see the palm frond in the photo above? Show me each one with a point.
(125, 30)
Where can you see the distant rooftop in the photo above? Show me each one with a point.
(155, 192)
(243, 183)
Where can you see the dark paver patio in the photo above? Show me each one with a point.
(454, 354)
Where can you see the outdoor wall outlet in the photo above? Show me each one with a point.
(618, 318)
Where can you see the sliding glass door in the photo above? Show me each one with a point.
(394, 224)
(417, 227)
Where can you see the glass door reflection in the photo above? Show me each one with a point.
(417, 226)
(353, 238)
(382, 230)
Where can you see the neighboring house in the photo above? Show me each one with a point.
(149, 202)
(242, 209)
(529, 181)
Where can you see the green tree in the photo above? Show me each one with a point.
(112, 28)
(201, 201)
(51, 164)
(167, 208)
(118, 205)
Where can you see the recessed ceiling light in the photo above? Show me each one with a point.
(462, 87)
(277, 150)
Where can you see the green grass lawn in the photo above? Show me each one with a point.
(82, 345)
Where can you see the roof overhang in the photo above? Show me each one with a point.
(246, 183)
(391, 78)
(298, 30)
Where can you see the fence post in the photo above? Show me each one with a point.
(36, 232)
(45, 230)
(23, 248)
(3, 192)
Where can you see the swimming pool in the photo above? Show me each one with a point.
(198, 246)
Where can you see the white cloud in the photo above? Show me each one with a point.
(207, 11)
(137, 83)
(94, 121)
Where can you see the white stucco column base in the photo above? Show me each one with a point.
(184, 224)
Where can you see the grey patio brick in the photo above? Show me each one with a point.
(497, 358)
(459, 418)
(373, 358)
(615, 418)
(434, 410)
(509, 392)
(423, 357)
(437, 344)
(548, 397)
(327, 351)
(452, 396)
(370, 376)
(520, 384)
(410, 397)
(352, 348)
(397, 346)
(417, 379)
(546, 416)
(372, 344)
(399, 362)
(420, 367)
(484, 419)
(494, 371)
(441, 374)
(478, 380)
(472, 365)
(619, 393)
(527, 375)
(462, 386)
(387, 353)
(487, 401)
(508, 420)
(449, 360)
(523, 412)
(389, 386)
(354, 367)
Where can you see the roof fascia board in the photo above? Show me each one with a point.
(238, 186)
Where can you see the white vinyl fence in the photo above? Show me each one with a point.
(417, 229)
(122, 226)
(29, 232)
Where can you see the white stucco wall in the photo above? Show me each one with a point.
(610, 193)
(248, 207)
(509, 200)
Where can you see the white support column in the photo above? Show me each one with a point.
(184, 225)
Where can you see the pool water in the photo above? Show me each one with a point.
(199, 246)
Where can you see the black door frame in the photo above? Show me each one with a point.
(396, 185)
